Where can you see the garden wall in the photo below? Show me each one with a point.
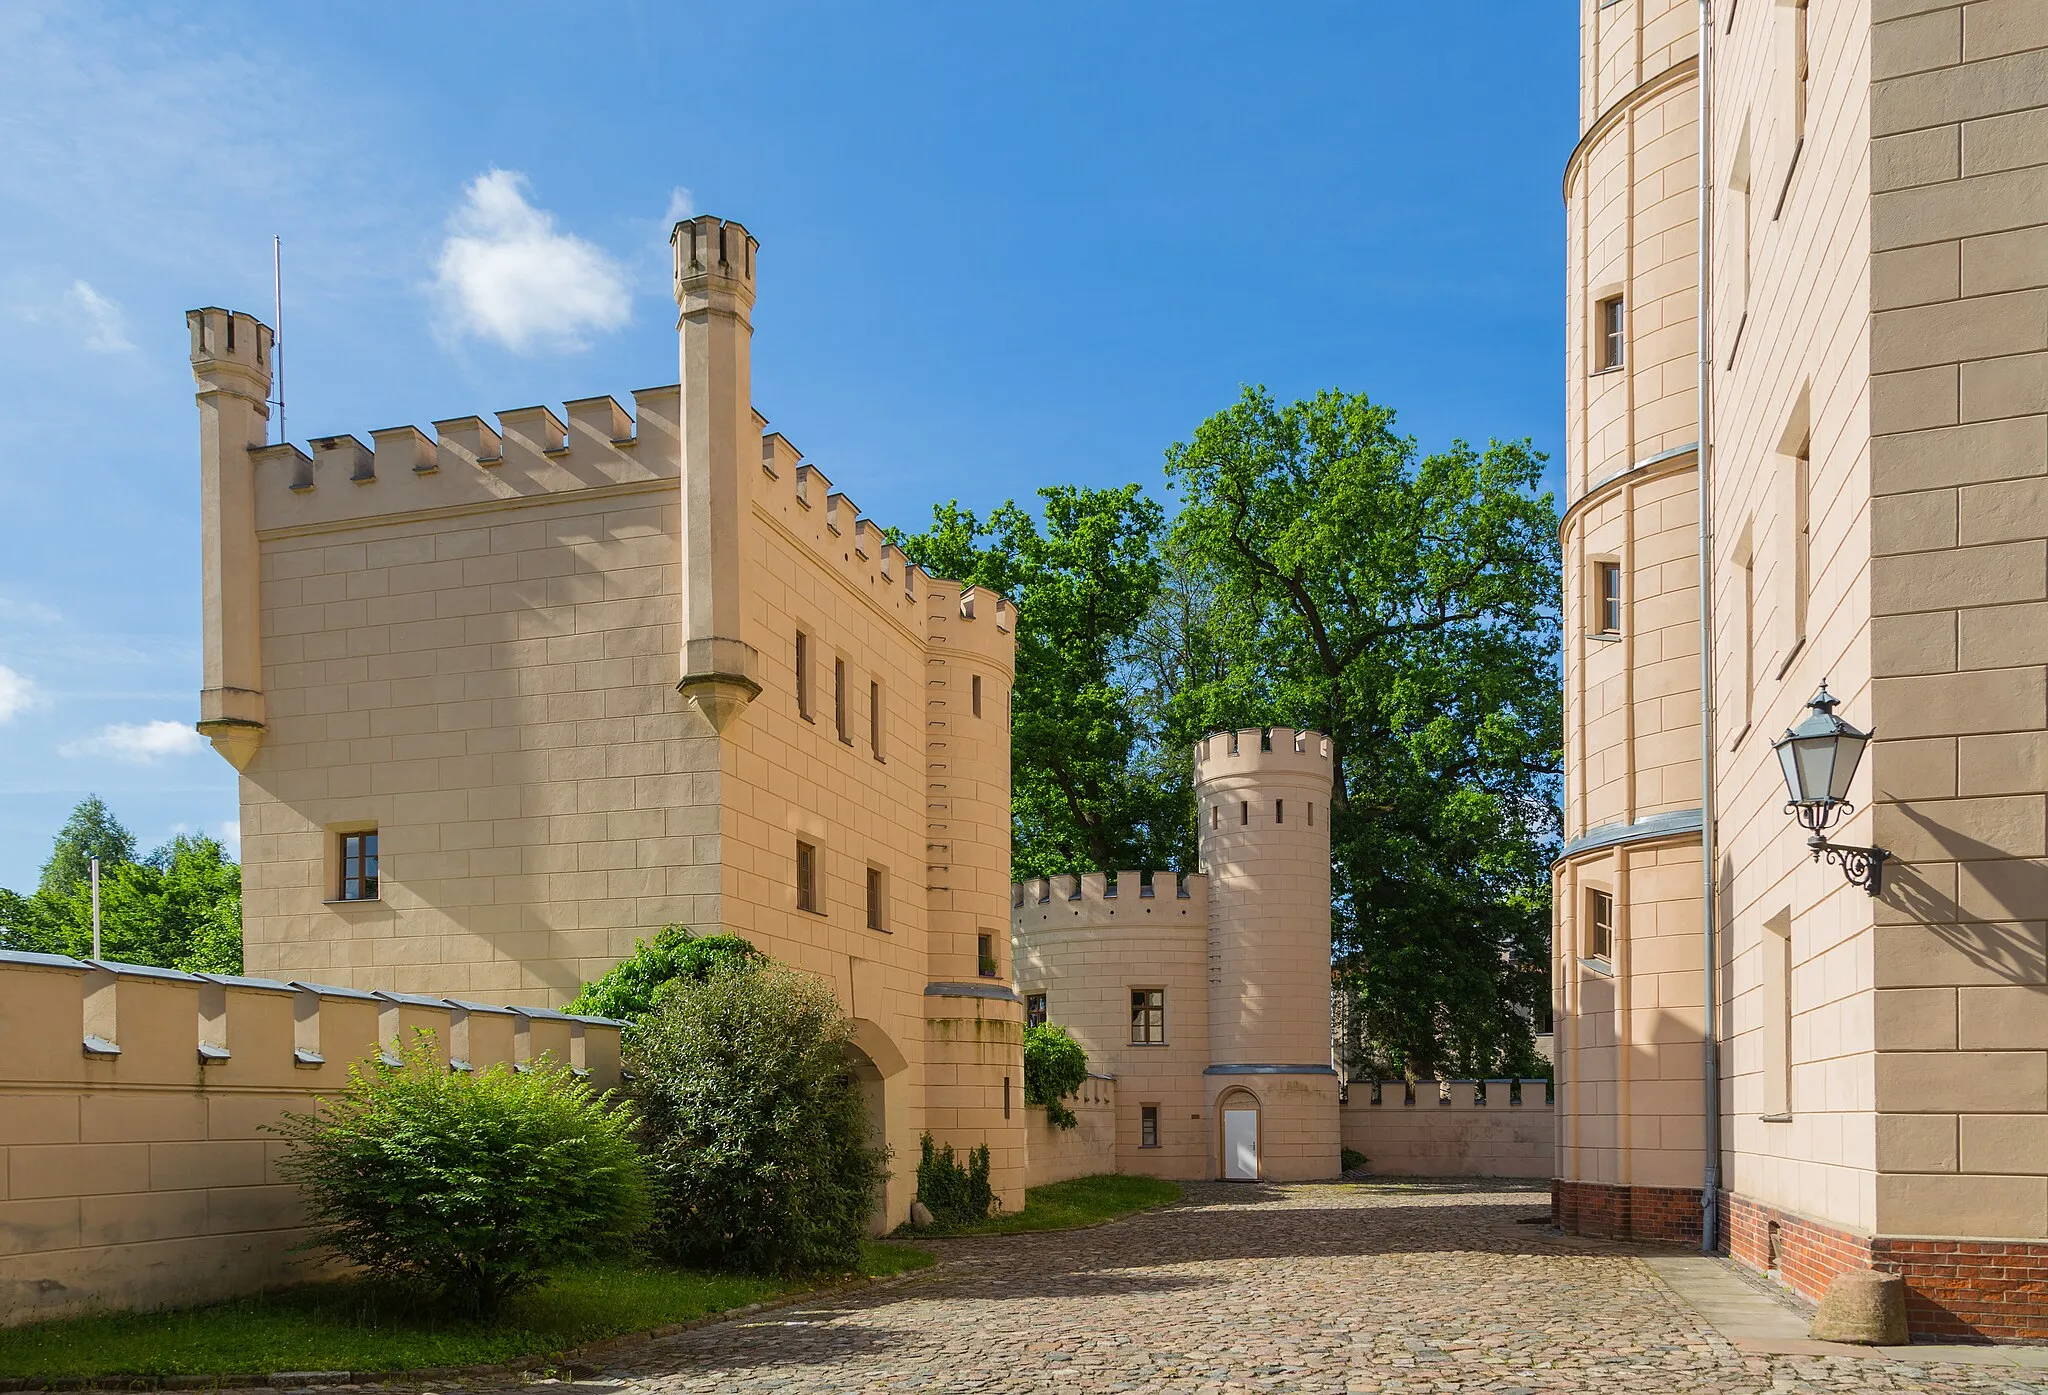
(1452, 1128)
(134, 1166)
(1054, 1155)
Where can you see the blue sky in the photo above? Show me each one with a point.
(1002, 245)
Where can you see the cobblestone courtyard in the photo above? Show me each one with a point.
(1304, 1288)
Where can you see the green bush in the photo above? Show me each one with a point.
(1352, 1159)
(627, 990)
(1055, 1066)
(753, 1124)
(955, 1195)
(468, 1187)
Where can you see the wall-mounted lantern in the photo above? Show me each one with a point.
(1820, 757)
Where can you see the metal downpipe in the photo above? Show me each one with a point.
(1710, 1045)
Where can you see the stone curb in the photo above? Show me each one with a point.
(577, 1362)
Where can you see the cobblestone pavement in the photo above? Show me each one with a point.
(1305, 1288)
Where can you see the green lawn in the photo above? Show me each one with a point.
(353, 1325)
(1064, 1205)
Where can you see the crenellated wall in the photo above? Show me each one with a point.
(1086, 1150)
(1452, 1128)
(135, 1169)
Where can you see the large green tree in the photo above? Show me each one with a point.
(180, 907)
(1407, 605)
(1090, 786)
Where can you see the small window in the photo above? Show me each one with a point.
(985, 953)
(1279, 811)
(1608, 578)
(359, 866)
(1148, 1126)
(1600, 919)
(875, 720)
(1215, 815)
(1244, 812)
(803, 675)
(1148, 1016)
(839, 701)
(1034, 1010)
(1006, 1097)
(808, 897)
(1311, 813)
(878, 899)
(976, 689)
(1611, 324)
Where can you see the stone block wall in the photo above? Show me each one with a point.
(135, 1165)
(1452, 1128)
(1086, 1150)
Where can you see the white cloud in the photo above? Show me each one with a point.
(106, 327)
(506, 274)
(681, 204)
(230, 835)
(17, 693)
(138, 743)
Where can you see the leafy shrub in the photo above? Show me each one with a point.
(955, 1195)
(469, 1187)
(1352, 1159)
(627, 990)
(1055, 1065)
(756, 1130)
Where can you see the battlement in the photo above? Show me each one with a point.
(92, 1022)
(1257, 751)
(1094, 898)
(1512, 1093)
(229, 343)
(713, 254)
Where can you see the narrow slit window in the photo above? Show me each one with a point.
(1611, 325)
(1006, 1097)
(1609, 599)
(807, 898)
(975, 688)
(1279, 811)
(875, 720)
(803, 675)
(1311, 813)
(1600, 919)
(358, 866)
(1215, 816)
(839, 701)
(1244, 812)
(878, 899)
(1148, 1126)
(985, 955)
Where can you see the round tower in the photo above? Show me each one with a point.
(1262, 796)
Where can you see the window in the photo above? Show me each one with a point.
(976, 689)
(1610, 324)
(878, 899)
(358, 866)
(1607, 577)
(803, 675)
(1034, 1010)
(1777, 966)
(985, 954)
(809, 889)
(1311, 813)
(1747, 556)
(1148, 1016)
(875, 719)
(1215, 815)
(1006, 1097)
(839, 701)
(1279, 811)
(1148, 1126)
(1244, 811)
(1600, 924)
(1801, 485)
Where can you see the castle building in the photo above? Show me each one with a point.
(1807, 327)
(507, 697)
(1207, 996)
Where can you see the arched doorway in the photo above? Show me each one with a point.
(1238, 1121)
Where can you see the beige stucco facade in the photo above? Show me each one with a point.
(1877, 438)
(1240, 954)
(588, 674)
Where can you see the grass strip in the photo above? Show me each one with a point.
(363, 1325)
(1078, 1201)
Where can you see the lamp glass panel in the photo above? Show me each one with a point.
(1848, 755)
(1791, 768)
(1816, 758)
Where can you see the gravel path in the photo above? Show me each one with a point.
(1341, 1288)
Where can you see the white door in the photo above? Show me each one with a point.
(1241, 1145)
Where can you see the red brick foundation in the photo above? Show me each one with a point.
(1612, 1212)
(1970, 1289)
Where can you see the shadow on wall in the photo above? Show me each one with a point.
(2007, 886)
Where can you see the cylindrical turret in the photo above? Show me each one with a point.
(1263, 798)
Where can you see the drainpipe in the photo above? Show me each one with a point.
(1710, 1045)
